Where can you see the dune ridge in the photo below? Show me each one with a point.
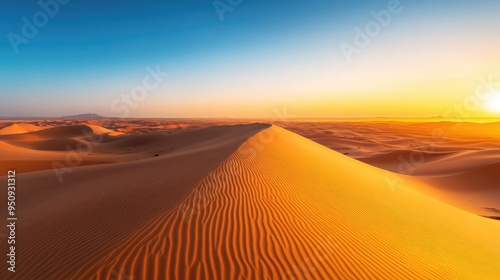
(64, 225)
(298, 210)
(91, 145)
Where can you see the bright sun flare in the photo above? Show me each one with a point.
(494, 103)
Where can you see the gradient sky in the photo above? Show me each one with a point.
(263, 57)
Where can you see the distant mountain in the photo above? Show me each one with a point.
(84, 116)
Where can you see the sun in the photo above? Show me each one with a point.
(494, 103)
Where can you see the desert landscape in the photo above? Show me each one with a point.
(253, 199)
(250, 140)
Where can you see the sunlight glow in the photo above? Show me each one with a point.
(494, 103)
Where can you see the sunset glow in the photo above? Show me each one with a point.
(250, 139)
(406, 59)
(494, 103)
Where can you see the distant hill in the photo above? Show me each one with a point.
(84, 116)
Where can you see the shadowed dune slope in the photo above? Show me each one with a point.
(37, 150)
(284, 207)
(81, 145)
(64, 225)
(477, 190)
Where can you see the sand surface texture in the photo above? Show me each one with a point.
(245, 202)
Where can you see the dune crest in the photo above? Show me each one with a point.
(64, 225)
(284, 207)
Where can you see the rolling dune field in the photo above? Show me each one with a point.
(247, 201)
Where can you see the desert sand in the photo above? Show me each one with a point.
(253, 201)
(459, 162)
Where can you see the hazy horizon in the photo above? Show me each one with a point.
(275, 118)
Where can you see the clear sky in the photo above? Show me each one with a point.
(249, 58)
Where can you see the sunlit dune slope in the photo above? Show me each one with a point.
(65, 225)
(284, 207)
(19, 128)
(456, 161)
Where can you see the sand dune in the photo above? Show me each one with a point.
(225, 204)
(264, 213)
(70, 131)
(476, 190)
(446, 156)
(92, 144)
(38, 149)
(19, 128)
(67, 224)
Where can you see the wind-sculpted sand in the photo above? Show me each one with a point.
(247, 202)
(17, 128)
(297, 210)
(65, 224)
(36, 148)
(457, 161)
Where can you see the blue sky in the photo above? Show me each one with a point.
(262, 55)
